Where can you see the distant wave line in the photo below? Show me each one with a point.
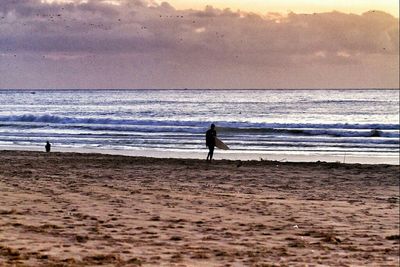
(222, 125)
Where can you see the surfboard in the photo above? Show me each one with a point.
(220, 144)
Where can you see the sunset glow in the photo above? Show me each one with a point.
(297, 6)
(186, 44)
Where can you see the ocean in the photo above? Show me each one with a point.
(259, 122)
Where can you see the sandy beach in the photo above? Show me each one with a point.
(70, 209)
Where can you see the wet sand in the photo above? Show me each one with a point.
(295, 156)
(69, 209)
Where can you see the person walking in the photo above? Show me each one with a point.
(48, 147)
(210, 141)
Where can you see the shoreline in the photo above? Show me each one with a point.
(347, 158)
(156, 159)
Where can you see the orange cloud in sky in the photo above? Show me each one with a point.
(297, 6)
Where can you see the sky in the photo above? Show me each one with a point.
(298, 6)
(199, 44)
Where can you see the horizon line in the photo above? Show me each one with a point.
(182, 89)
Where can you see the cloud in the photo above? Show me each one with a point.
(194, 39)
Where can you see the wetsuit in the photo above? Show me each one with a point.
(210, 142)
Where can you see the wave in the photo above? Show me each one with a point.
(195, 131)
(241, 139)
(334, 132)
(227, 128)
(221, 125)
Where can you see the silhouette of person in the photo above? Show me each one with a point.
(210, 141)
(48, 147)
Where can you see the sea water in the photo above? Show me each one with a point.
(358, 122)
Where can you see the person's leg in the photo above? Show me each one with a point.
(211, 152)
(209, 155)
